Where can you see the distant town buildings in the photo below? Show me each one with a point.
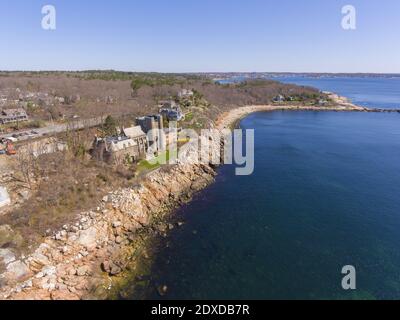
(17, 98)
(13, 115)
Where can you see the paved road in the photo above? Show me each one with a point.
(53, 129)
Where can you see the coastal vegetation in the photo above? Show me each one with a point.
(59, 96)
(149, 165)
(55, 188)
(62, 184)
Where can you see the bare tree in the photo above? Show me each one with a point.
(26, 166)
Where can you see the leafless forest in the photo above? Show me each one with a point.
(113, 93)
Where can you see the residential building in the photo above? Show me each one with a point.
(153, 127)
(172, 114)
(115, 150)
(139, 137)
(13, 115)
(130, 145)
(279, 98)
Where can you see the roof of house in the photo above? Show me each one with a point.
(115, 144)
(134, 132)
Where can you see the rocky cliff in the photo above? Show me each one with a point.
(83, 257)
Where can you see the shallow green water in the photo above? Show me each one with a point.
(325, 193)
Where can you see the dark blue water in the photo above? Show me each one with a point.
(325, 193)
(378, 92)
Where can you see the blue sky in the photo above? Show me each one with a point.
(201, 35)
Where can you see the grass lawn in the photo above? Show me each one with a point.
(155, 163)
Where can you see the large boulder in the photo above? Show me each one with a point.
(6, 256)
(111, 268)
(17, 271)
(88, 238)
(38, 260)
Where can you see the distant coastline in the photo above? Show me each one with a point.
(256, 75)
(230, 118)
(366, 90)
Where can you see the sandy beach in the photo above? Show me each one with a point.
(227, 119)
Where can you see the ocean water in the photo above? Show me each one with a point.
(378, 92)
(325, 194)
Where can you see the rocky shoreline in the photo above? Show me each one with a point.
(80, 261)
(91, 258)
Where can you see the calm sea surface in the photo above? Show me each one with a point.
(367, 92)
(378, 92)
(325, 194)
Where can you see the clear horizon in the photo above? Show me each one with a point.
(283, 36)
(207, 72)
